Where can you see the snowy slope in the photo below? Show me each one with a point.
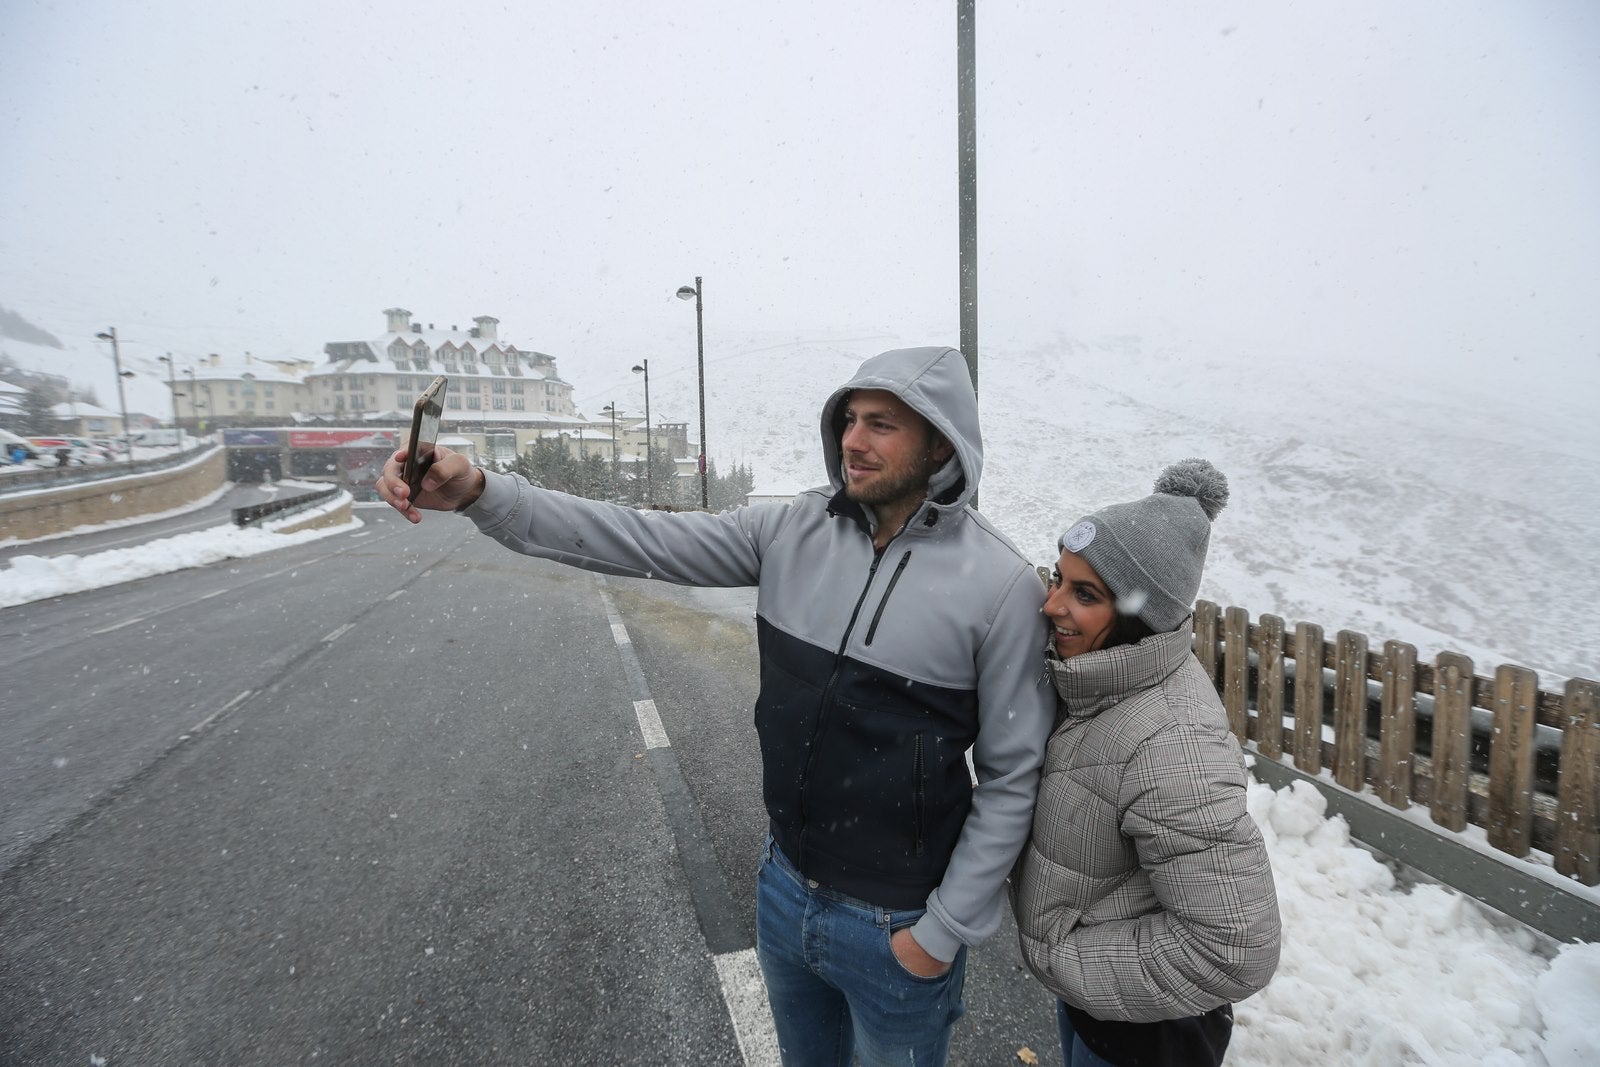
(1455, 515)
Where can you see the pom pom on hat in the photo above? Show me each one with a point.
(1150, 552)
(1199, 479)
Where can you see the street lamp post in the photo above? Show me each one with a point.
(684, 293)
(194, 412)
(649, 483)
(172, 387)
(611, 409)
(116, 357)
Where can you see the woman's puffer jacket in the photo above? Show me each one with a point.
(1144, 892)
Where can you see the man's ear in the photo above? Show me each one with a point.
(939, 447)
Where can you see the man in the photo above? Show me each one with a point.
(897, 630)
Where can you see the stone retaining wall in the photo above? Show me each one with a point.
(42, 512)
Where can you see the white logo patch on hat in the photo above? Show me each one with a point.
(1078, 538)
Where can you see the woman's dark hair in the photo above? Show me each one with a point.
(1127, 630)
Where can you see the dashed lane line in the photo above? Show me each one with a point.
(744, 993)
(655, 735)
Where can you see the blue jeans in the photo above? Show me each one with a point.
(836, 989)
(1074, 1053)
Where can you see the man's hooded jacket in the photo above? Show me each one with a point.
(879, 671)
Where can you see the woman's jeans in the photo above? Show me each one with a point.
(1074, 1053)
(835, 986)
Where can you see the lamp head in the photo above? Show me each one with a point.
(102, 337)
(687, 292)
(640, 370)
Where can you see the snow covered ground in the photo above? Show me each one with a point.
(1452, 519)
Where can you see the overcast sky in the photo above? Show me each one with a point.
(1411, 182)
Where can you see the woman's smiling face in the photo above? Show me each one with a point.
(1080, 607)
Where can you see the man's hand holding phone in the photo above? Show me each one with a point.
(422, 474)
(451, 482)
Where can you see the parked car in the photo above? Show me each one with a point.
(11, 445)
(80, 450)
(160, 437)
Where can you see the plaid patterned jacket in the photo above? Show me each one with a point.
(1144, 892)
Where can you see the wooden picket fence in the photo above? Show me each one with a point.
(1406, 729)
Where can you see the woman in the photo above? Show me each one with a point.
(1144, 899)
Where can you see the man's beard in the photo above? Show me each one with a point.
(889, 489)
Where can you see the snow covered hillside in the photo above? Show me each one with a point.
(1454, 514)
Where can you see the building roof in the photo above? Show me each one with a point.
(81, 410)
(233, 370)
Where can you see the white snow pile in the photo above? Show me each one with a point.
(30, 578)
(1374, 974)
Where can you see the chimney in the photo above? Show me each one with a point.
(487, 327)
(416, 327)
(399, 319)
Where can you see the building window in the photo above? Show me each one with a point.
(516, 403)
(499, 403)
(474, 403)
(497, 386)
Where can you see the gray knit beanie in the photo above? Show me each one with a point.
(1150, 552)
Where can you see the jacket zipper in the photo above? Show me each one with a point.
(827, 699)
(898, 571)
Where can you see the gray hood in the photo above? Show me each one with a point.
(936, 383)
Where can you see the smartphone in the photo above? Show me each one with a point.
(424, 434)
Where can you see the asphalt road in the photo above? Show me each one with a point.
(384, 798)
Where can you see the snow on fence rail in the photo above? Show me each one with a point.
(1496, 752)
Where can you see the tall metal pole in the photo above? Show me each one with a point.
(967, 182)
(116, 357)
(700, 363)
(684, 293)
(172, 387)
(194, 411)
(649, 481)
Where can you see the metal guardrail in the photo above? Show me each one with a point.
(253, 513)
(14, 479)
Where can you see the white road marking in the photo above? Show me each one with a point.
(655, 735)
(340, 632)
(120, 625)
(745, 993)
(209, 719)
